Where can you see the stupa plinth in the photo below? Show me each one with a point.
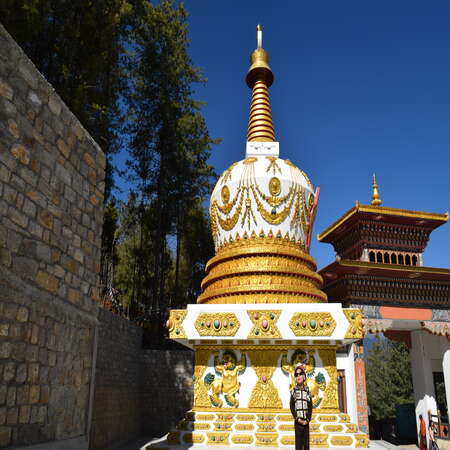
(262, 309)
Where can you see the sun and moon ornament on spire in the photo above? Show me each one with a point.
(376, 201)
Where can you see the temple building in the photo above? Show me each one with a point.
(379, 269)
(262, 309)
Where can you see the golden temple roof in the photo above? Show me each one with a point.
(381, 212)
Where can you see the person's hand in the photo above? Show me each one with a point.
(302, 422)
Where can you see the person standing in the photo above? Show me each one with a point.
(432, 432)
(301, 409)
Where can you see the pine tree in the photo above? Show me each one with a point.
(388, 377)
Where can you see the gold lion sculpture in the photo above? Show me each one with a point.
(228, 384)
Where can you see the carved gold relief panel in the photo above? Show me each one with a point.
(217, 324)
(312, 324)
(264, 324)
(174, 324)
(264, 393)
(356, 328)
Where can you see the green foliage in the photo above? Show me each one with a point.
(76, 44)
(122, 67)
(388, 377)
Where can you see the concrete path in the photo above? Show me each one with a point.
(146, 444)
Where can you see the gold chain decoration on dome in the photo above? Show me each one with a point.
(241, 207)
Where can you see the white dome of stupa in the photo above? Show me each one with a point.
(262, 195)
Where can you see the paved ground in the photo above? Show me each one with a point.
(141, 444)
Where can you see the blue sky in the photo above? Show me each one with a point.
(360, 87)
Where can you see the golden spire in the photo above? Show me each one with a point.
(259, 78)
(376, 201)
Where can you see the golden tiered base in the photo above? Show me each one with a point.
(261, 270)
(268, 429)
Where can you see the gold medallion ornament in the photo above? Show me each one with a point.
(275, 186)
(244, 417)
(244, 427)
(356, 327)
(201, 426)
(333, 428)
(312, 324)
(318, 440)
(217, 324)
(174, 327)
(266, 439)
(242, 439)
(264, 324)
(341, 441)
(225, 193)
(218, 438)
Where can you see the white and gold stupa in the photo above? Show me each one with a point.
(262, 310)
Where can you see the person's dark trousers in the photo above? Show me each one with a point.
(301, 436)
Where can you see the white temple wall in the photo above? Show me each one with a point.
(427, 352)
(346, 362)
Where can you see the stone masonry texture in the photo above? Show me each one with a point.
(136, 391)
(53, 390)
(51, 197)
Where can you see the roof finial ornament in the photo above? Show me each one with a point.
(258, 36)
(259, 78)
(376, 201)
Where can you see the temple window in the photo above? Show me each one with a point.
(372, 256)
(414, 260)
(386, 258)
(400, 259)
(394, 258)
(408, 260)
(379, 257)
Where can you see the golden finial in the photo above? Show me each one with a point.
(259, 78)
(376, 201)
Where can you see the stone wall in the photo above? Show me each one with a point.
(167, 389)
(67, 369)
(51, 195)
(116, 415)
(136, 391)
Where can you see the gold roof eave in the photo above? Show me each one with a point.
(377, 210)
(385, 267)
